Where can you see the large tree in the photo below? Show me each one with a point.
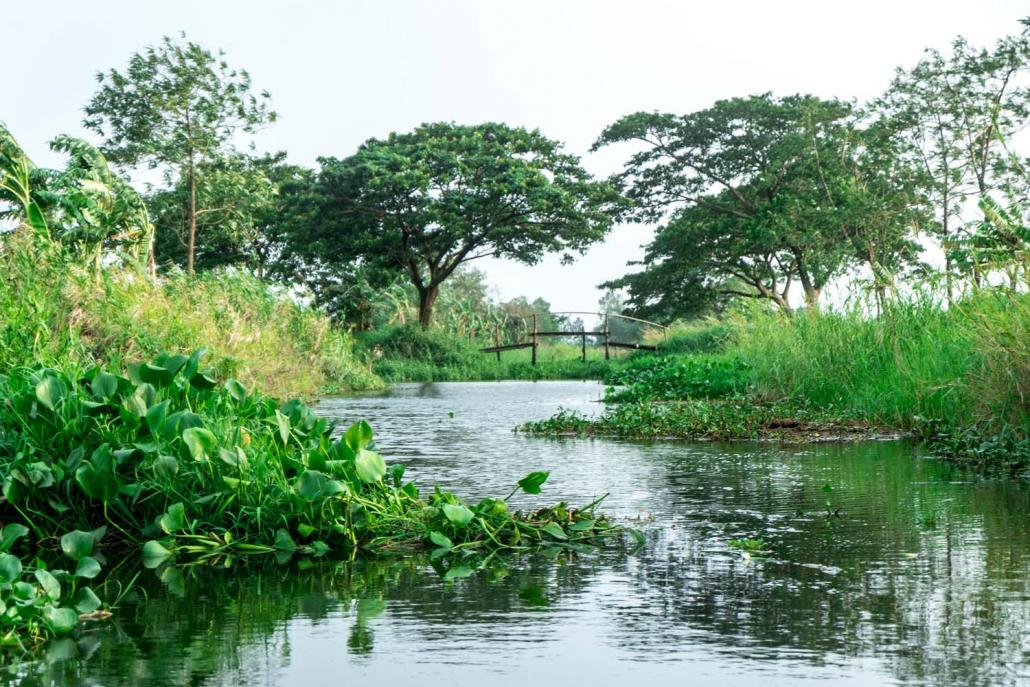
(429, 201)
(758, 194)
(177, 107)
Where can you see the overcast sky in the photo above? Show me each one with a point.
(342, 72)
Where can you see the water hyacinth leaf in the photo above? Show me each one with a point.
(156, 416)
(369, 466)
(155, 375)
(200, 442)
(555, 530)
(154, 554)
(24, 592)
(202, 382)
(104, 386)
(62, 620)
(50, 391)
(314, 485)
(284, 542)
(87, 568)
(166, 467)
(581, 525)
(12, 533)
(457, 514)
(193, 364)
(284, 427)
(531, 483)
(457, 572)
(174, 518)
(358, 436)
(236, 390)
(441, 540)
(51, 587)
(10, 568)
(86, 600)
(173, 363)
(77, 544)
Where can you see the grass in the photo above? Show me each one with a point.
(410, 354)
(54, 312)
(958, 378)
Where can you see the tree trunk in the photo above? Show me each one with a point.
(426, 300)
(191, 250)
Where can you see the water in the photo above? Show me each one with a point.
(920, 580)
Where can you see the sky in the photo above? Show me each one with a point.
(345, 71)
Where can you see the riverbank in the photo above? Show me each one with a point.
(955, 379)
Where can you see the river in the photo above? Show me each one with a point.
(914, 573)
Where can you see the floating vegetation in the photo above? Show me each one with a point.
(168, 459)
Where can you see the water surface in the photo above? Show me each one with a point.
(921, 578)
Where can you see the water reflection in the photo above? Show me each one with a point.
(921, 579)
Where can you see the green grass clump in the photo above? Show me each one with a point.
(55, 312)
(669, 379)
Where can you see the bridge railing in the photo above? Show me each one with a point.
(603, 333)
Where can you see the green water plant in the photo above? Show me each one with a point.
(170, 458)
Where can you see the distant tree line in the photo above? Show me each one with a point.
(756, 197)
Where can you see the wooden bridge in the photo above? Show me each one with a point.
(534, 336)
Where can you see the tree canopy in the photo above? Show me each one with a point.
(426, 202)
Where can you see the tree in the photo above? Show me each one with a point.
(246, 200)
(177, 107)
(955, 112)
(749, 179)
(429, 201)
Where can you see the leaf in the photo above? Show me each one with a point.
(173, 519)
(10, 568)
(441, 540)
(457, 514)
(200, 442)
(51, 587)
(166, 467)
(202, 382)
(62, 620)
(156, 375)
(369, 466)
(581, 525)
(156, 416)
(88, 568)
(236, 390)
(457, 572)
(531, 482)
(555, 530)
(358, 436)
(314, 485)
(51, 390)
(77, 544)
(154, 554)
(10, 534)
(104, 386)
(193, 364)
(284, 542)
(284, 427)
(86, 600)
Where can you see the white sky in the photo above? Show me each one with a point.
(341, 72)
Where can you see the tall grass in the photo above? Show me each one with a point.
(54, 312)
(965, 365)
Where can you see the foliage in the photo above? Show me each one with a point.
(40, 601)
(179, 107)
(426, 202)
(168, 454)
(55, 312)
(664, 379)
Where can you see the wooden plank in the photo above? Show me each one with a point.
(509, 347)
(633, 346)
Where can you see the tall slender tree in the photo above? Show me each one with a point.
(178, 107)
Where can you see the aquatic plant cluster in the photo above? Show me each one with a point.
(168, 458)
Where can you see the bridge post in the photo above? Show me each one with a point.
(534, 340)
(497, 339)
(607, 333)
(584, 346)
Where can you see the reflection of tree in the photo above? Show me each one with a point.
(932, 605)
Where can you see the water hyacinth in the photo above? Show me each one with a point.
(172, 460)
